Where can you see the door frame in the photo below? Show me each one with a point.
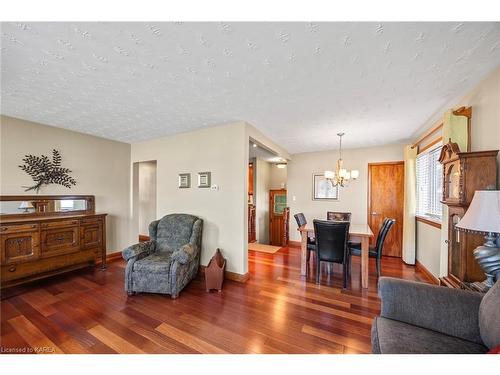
(369, 205)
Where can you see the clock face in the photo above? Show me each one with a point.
(454, 181)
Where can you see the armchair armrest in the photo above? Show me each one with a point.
(137, 249)
(450, 311)
(184, 254)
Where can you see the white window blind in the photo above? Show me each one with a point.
(429, 184)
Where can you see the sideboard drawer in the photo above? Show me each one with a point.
(92, 220)
(15, 228)
(57, 224)
(60, 240)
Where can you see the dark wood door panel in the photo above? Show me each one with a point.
(386, 194)
(277, 205)
(91, 235)
(20, 247)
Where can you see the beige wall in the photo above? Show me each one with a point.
(220, 150)
(101, 167)
(278, 177)
(352, 198)
(428, 247)
(485, 135)
(262, 186)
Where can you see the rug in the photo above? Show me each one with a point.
(255, 246)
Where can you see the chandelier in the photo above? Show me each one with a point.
(341, 176)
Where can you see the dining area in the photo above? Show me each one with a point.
(335, 239)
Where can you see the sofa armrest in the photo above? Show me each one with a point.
(137, 249)
(450, 311)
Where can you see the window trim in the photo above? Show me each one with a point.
(429, 221)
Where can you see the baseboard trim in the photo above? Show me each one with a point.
(420, 267)
(294, 244)
(113, 257)
(233, 276)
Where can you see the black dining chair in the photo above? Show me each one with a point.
(376, 251)
(338, 216)
(300, 218)
(331, 245)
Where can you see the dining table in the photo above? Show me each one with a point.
(360, 233)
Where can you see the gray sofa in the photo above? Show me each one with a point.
(419, 318)
(169, 260)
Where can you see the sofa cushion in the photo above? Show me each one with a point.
(394, 337)
(154, 263)
(489, 317)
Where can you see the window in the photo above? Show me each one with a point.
(429, 184)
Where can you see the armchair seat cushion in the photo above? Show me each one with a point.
(394, 337)
(154, 263)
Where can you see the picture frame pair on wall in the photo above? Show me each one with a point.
(204, 180)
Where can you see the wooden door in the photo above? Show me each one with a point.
(385, 199)
(277, 205)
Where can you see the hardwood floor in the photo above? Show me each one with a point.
(276, 311)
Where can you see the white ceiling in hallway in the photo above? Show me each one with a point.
(299, 83)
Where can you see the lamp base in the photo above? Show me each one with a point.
(488, 257)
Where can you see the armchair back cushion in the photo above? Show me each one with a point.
(489, 317)
(172, 231)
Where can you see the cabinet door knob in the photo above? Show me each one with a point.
(12, 269)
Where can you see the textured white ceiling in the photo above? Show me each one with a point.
(299, 83)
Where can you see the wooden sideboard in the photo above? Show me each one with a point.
(35, 245)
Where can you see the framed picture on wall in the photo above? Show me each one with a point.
(204, 179)
(184, 180)
(322, 189)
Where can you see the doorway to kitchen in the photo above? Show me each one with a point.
(267, 172)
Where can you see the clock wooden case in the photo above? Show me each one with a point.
(463, 174)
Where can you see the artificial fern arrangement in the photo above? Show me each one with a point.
(43, 171)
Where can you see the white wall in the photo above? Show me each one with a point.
(485, 135)
(352, 198)
(146, 195)
(220, 150)
(262, 185)
(101, 167)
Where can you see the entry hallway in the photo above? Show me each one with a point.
(276, 311)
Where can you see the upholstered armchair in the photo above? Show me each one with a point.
(169, 260)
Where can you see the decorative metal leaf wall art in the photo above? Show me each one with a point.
(44, 171)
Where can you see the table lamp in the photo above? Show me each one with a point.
(483, 216)
(26, 206)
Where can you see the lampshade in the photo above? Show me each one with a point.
(354, 174)
(26, 204)
(329, 174)
(483, 214)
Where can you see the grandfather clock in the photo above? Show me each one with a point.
(463, 174)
